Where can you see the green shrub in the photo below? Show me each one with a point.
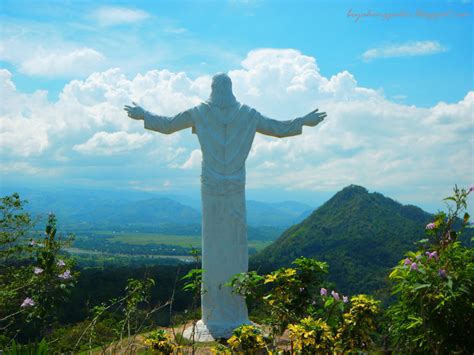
(160, 342)
(434, 311)
(247, 339)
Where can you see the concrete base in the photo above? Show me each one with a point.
(204, 333)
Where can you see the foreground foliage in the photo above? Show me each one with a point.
(247, 339)
(431, 312)
(35, 277)
(434, 311)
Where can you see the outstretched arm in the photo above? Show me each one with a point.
(280, 129)
(162, 124)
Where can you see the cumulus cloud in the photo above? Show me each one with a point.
(105, 143)
(193, 161)
(408, 49)
(115, 15)
(75, 62)
(47, 55)
(366, 139)
(22, 133)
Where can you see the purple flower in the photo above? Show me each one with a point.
(61, 263)
(407, 262)
(335, 295)
(345, 299)
(38, 270)
(414, 266)
(323, 292)
(27, 302)
(432, 255)
(66, 275)
(431, 225)
(442, 273)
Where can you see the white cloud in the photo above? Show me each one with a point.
(25, 168)
(193, 161)
(47, 55)
(21, 134)
(76, 62)
(114, 15)
(408, 49)
(366, 139)
(105, 143)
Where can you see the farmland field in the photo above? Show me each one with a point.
(143, 243)
(186, 241)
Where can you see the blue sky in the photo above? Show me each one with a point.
(398, 92)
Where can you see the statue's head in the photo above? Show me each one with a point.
(221, 91)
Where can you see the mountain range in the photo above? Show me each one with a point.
(97, 209)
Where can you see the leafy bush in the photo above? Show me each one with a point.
(317, 320)
(286, 293)
(434, 285)
(160, 342)
(355, 334)
(35, 277)
(312, 335)
(247, 339)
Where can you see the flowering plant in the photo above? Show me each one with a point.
(311, 336)
(434, 286)
(160, 341)
(35, 277)
(247, 339)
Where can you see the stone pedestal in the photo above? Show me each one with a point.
(207, 333)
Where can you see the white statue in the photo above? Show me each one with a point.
(225, 130)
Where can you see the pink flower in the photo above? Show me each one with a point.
(27, 302)
(323, 292)
(38, 270)
(345, 299)
(431, 225)
(414, 266)
(61, 263)
(407, 262)
(335, 295)
(432, 255)
(66, 275)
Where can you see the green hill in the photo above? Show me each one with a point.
(360, 234)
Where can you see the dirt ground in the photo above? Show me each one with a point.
(136, 345)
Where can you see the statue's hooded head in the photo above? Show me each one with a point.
(221, 91)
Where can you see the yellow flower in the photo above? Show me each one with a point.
(270, 278)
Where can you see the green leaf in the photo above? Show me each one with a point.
(423, 241)
(420, 286)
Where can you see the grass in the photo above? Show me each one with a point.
(185, 241)
(150, 238)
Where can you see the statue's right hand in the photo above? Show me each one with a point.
(136, 112)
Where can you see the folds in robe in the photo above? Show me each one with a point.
(225, 136)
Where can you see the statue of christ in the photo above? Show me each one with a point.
(225, 130)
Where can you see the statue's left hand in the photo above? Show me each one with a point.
(313, 118)
(136, 112)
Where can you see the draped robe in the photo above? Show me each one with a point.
(225, 136)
